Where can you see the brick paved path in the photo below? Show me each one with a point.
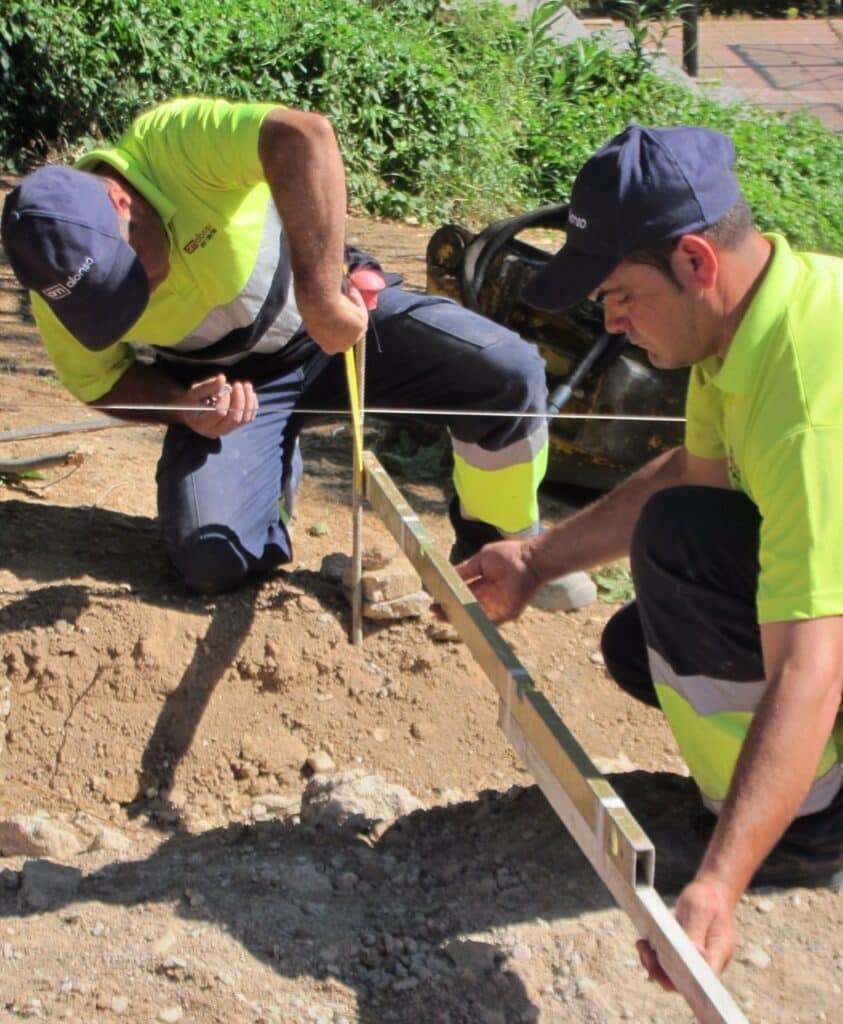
(782, 65)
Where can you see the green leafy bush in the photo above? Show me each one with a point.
(788, 168)
(444, 110)
(414, 91)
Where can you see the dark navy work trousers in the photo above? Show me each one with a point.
(694, 561)
(218, 499)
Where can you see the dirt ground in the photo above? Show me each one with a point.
(157, 742)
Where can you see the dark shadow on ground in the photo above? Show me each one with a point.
(669, 809)
(41, 541)
(434, 876)
(791, 67)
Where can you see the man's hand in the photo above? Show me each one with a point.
(230, 404)
(336, 323)
(705, 909)
(501, 579)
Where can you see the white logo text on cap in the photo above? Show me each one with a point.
(61, 291)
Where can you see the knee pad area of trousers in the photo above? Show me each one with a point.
(521, 376)
(210, 565)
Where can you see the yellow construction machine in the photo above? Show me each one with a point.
(627, 406)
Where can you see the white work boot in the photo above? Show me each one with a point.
(566, 593)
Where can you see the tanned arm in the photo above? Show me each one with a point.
(504, 575)
(226, 405)
(804, 664)
(303, 166)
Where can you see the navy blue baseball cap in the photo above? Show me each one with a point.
(644, 187)
(61, 235)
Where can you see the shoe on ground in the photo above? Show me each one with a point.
(796, 861)
(566, 594)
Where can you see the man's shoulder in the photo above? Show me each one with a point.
(817, 298)
(818, 274)
(808, 287)
(820, 263)
(178, 111)
(182, 121)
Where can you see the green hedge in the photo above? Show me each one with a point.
(444, 110)
(789, 169)
(412, 97)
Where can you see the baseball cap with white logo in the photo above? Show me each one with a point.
(646, 186)
(61, 235)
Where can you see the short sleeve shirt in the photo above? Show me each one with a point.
(774, 410)
(196, 161)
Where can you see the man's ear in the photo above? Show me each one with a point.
(696, 261)
(121, 200)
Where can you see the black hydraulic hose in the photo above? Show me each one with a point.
(482, 249)
(606, 345)
(474, 266)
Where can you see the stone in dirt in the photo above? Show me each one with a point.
(754, 956)
(393, 593)
(110, 839)
(333, 566)
(411, 606)
(274, 753)
(9, 879)
(472, 955)
(38, 836)
(280, 804)
(443, 632)
(307, 882)
(320, 762)
(355, 799)
(384, 584)
(566, 594)
(376, 556)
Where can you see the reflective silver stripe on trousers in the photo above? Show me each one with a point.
(524, 450)
(708, 696)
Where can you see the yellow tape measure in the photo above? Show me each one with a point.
(356, 421)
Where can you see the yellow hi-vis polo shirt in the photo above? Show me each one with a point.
(774, 410)
(196, 162)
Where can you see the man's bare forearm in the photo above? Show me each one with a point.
(305, 173)
(221, 406)
(144, 385)
(303, 165)
(601, 532)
